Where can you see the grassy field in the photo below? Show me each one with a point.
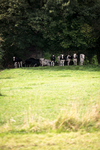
(60, 105)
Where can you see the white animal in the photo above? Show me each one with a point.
(82, 57)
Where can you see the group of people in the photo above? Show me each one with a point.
(68, 59)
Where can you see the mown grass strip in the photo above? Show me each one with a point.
(51, 141)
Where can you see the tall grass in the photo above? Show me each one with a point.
(71, 120)
(66, 121)
(50, 98)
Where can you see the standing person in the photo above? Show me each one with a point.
(82, 57)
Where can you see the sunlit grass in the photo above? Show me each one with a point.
(32, 97)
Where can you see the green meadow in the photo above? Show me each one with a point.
(50, 108)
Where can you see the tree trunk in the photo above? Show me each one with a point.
(98, 50)
(98, 56)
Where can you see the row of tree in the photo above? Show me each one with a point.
(55, 26)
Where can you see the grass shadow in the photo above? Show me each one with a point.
(1, 95)
(60, 68)
(6, 78)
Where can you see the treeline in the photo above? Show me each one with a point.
(55, 26)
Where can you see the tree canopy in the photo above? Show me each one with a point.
(52, 25)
